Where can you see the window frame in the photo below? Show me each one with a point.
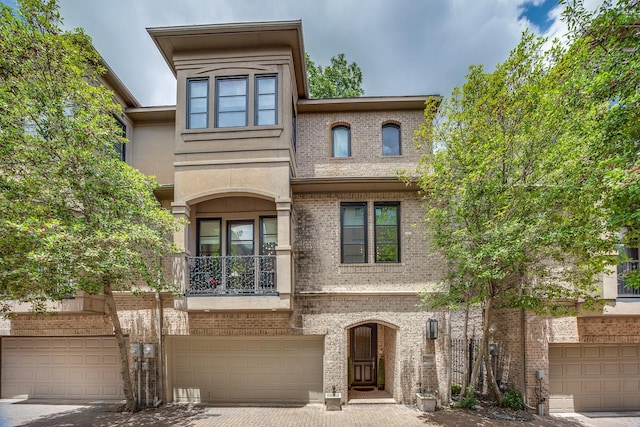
(399, 141)
(229, 224)
(333, 140)
(246, 100)
(365, 226)
(189, 98)
(261, 250)
(121, 147)
(377, 205)
(199, 221)
(257, 94)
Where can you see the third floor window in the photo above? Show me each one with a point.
(340, 141)
(231, 102)
(238, 101)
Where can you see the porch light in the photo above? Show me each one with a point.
(432, 328)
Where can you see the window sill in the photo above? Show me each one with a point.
(231, 133)
(371, 268)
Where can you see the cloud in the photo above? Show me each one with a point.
(404, 47)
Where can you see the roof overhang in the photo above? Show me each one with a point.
(350, 184)
(249, 35)
(366, 103)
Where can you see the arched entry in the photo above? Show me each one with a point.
(371, 360)
(364, 349)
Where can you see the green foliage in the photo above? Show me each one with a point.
(456, 389)
(469, 399)
(601, 76)
(512, 399)
(74, 217)
(505, 192)
(380, 372)
(338, 80)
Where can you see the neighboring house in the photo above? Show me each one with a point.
(302, 258)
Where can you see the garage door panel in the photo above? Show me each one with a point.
(590, 352)
(591, 369)
(609, 382)
(630, 351)
(574, 369)
(61, 367)
(247, 369)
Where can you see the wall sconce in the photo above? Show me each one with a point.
(432, 328)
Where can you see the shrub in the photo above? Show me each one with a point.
(512, 399)
(456, 389)
(468, 400)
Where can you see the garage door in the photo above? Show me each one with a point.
(78, 368)
(604, 377)
(247, 369)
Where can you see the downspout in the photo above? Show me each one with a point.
(160, 382)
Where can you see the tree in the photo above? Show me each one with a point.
(74, 217)
(603, 68)
(509, 203)
(338, 80)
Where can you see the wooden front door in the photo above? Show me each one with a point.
(363, 354)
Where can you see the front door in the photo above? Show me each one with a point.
(363, 354)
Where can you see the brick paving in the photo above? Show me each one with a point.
(62, 414)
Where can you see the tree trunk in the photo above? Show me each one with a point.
(483, 343)
(493, 385)
(465, 340)
(130, 404)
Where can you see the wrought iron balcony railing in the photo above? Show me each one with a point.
(231, 275)
(625, 290)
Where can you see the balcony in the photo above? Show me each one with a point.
(231, 275)
(623, 289)
(235, 283)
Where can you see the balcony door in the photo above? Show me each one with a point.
(364, 342)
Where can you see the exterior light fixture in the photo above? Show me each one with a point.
(432, 328)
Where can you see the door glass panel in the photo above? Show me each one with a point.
(269, 236)
(362, 344)
(209, 237)
(241, 238)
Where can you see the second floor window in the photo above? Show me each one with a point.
(197, 103)
(266, 100)
(231, 102)
(340, 141)
(390, 140)
(387, 229)
(353, 219)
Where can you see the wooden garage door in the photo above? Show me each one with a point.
(78, 368)
(594, 377)
(247, 369)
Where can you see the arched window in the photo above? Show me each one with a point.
(341, 141)
(390, 140)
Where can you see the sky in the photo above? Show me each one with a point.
(404, 47)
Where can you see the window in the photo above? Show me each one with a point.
(353, 219)
(209, 238)
(119, 146)
(198, 103)
(341, 141)
(629, 265)
(240, 238)
(390, 140)
(294, 129)
(268, 235)
(387, 231)
(266, 100)
(231, 100)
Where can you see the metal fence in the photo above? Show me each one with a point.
(460, 368)
(232, 275)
